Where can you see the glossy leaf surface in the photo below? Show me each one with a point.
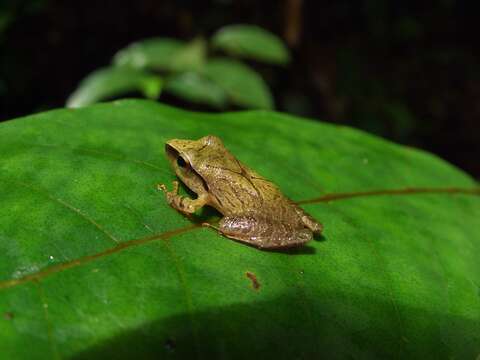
(95, 264)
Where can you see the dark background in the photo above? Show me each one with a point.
(406, 70)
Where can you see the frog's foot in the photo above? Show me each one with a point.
(263, 233)
(312, 224)
(308, 221)
(163, 187)
(182, 203)
(206, 224)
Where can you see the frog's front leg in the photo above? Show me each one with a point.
(263, 233)
(182, 203)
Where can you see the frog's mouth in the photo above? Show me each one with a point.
(185, 171)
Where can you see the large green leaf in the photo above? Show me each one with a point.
(253, 42)
(114, 81)
(95, 264)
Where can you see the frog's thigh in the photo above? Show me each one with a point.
(263, 233)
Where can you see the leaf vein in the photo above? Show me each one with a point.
(474, 191)
(44, 305)
(136, 242)
(89, 258)
(62, 202)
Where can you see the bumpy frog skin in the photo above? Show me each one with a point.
(254, 209)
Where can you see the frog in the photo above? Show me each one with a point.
(254, 209)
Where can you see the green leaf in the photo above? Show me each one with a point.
(196, 88)
(191, 56)
(243, 85)
(110, 82)
(163, 54)
(96, 265)
(154, 53)
(251, 42)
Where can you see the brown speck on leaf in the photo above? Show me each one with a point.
(8, 315)
(253, 278)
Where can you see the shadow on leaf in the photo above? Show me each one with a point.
(330, 328)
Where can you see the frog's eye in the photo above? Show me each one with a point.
(181, 162)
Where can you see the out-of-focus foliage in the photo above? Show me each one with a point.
(243, 86)
(197, 88)
(189, 73)
(155, 54)
(10, 9)
(163, 54)
(251, 42)
(108, 82)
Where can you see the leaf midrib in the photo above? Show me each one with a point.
(89, 258)
(171, 233)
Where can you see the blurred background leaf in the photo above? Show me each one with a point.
(252, 42)
(115, 81)
(155, 54)
(190, 57)
(197, 88)
(215, 82)
(243, 85)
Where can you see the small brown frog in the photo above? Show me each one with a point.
(254, 209)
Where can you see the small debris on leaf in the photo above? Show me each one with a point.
(253, 278)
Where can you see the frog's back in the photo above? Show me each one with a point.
(259, 197)
(274, 204)
(235, 190)
(251, 195)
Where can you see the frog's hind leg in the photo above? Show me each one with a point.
(263, 233)
(312, 224)
(308, 221)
